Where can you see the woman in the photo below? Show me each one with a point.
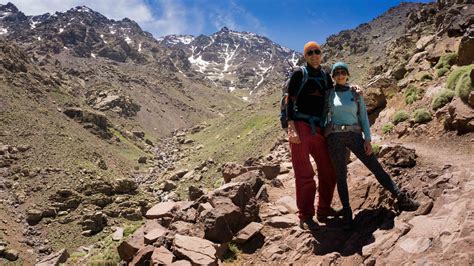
(347, 127)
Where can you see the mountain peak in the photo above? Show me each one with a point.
(9, 7)
(225, 29)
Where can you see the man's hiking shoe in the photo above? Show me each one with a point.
(309, 223)
(331, 212)
(347, 222)
(406, 203)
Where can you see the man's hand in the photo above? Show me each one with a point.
(293, 136)
(358, 89)
(368, 147)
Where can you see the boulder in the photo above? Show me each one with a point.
(231, 170)
(143, 256)
(11, 254)
(55, 258)
(284, 221)
(118, 234)
(271, 170)
(162, 256)
(129, 247)
(194, 193)
(154, 234)
(459, 117)
(398, 156)
(34, 216)
(466, 51)
(375, 101)
(162, 209)
(253, 178)
(94, 222)
(124, 186)
(247, 232)
(196, 250)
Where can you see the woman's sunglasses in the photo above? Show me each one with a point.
(311, 52)
(340, 72)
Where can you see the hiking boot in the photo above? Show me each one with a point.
(331, 212)
(309, 223)
(347, 222)
(406, 203)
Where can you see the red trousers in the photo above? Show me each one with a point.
(316, 147)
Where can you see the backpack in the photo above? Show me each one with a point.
(285, 95)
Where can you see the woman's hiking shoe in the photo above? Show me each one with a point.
(347, 222)
(331, 212)
(406, 203)
(309, 223)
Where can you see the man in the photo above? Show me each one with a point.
(305, 110)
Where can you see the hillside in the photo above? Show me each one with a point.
(100, 122)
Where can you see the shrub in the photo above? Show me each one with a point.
(440, 72)
(421, 115)
(447, 60)
(400, 116)
(464, 86)
(457, 74)
(441, 99)
(411, 94)
(387, 128)
(376, 149)
(426, 77)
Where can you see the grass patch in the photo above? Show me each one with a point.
(421, 116)
(441, 99)
(426, 77)
(127, 150)
(464, 86)
(376, 149)
(411, 94)
(387, 128)
(232, 252)
(456, 75)
(440, 72)
(400, 116)
(447, 60)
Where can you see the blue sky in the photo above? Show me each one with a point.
(290, 23)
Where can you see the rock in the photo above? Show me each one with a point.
(285, 221)
(425, 208)
(196, 250)
(143, 256)
(154, 234)
(34, 216)
(247, 232)
(460, 117)
(142, 159)
(168, 185)
(181, 263)
(216, 225)
(118, 234)
(94, 222)
(262, 194)
(124, 186)
(470, 99)
(398, 156)
(375, 101)
(271, 171)
(11, 254)
(466, 51)
(139, 134)
(162, 256)
(194, 193)
(231, 170)
(55, 258)
(423, 42)
(162, 209)
(415, 245)
(253, 178)
(289, 203)
(129, 247)
(179, 174)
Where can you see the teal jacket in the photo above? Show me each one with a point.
(343, 109)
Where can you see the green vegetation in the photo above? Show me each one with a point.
(376, 149)
(426, 77)
(421, 115)
(447, 60)
(440, 72)
(232, 252)
(411, 94)
(387, 128)
(441, 99)
(400, 116)
(457, 74)
(464, 86)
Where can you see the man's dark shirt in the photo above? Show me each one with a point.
(311, 98)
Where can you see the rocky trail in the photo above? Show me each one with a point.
(252, 219)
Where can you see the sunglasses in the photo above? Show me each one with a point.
(340, 72)
(311, 52)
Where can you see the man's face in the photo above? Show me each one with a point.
(313, 56)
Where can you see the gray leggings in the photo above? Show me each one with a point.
(338, 144)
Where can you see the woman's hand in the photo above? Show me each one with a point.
(293, 136)
(368, 147)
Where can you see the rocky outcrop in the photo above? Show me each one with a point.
(96, 122)
(457, 116)
(114, 101)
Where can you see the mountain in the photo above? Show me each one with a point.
(234, 60)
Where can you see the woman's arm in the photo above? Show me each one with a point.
(364, 119)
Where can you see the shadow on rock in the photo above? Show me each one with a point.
(332, 238)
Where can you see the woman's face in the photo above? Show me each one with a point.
(340, 76)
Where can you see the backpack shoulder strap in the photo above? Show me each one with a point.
(356, 96)
(325, 78)
(303, 80)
